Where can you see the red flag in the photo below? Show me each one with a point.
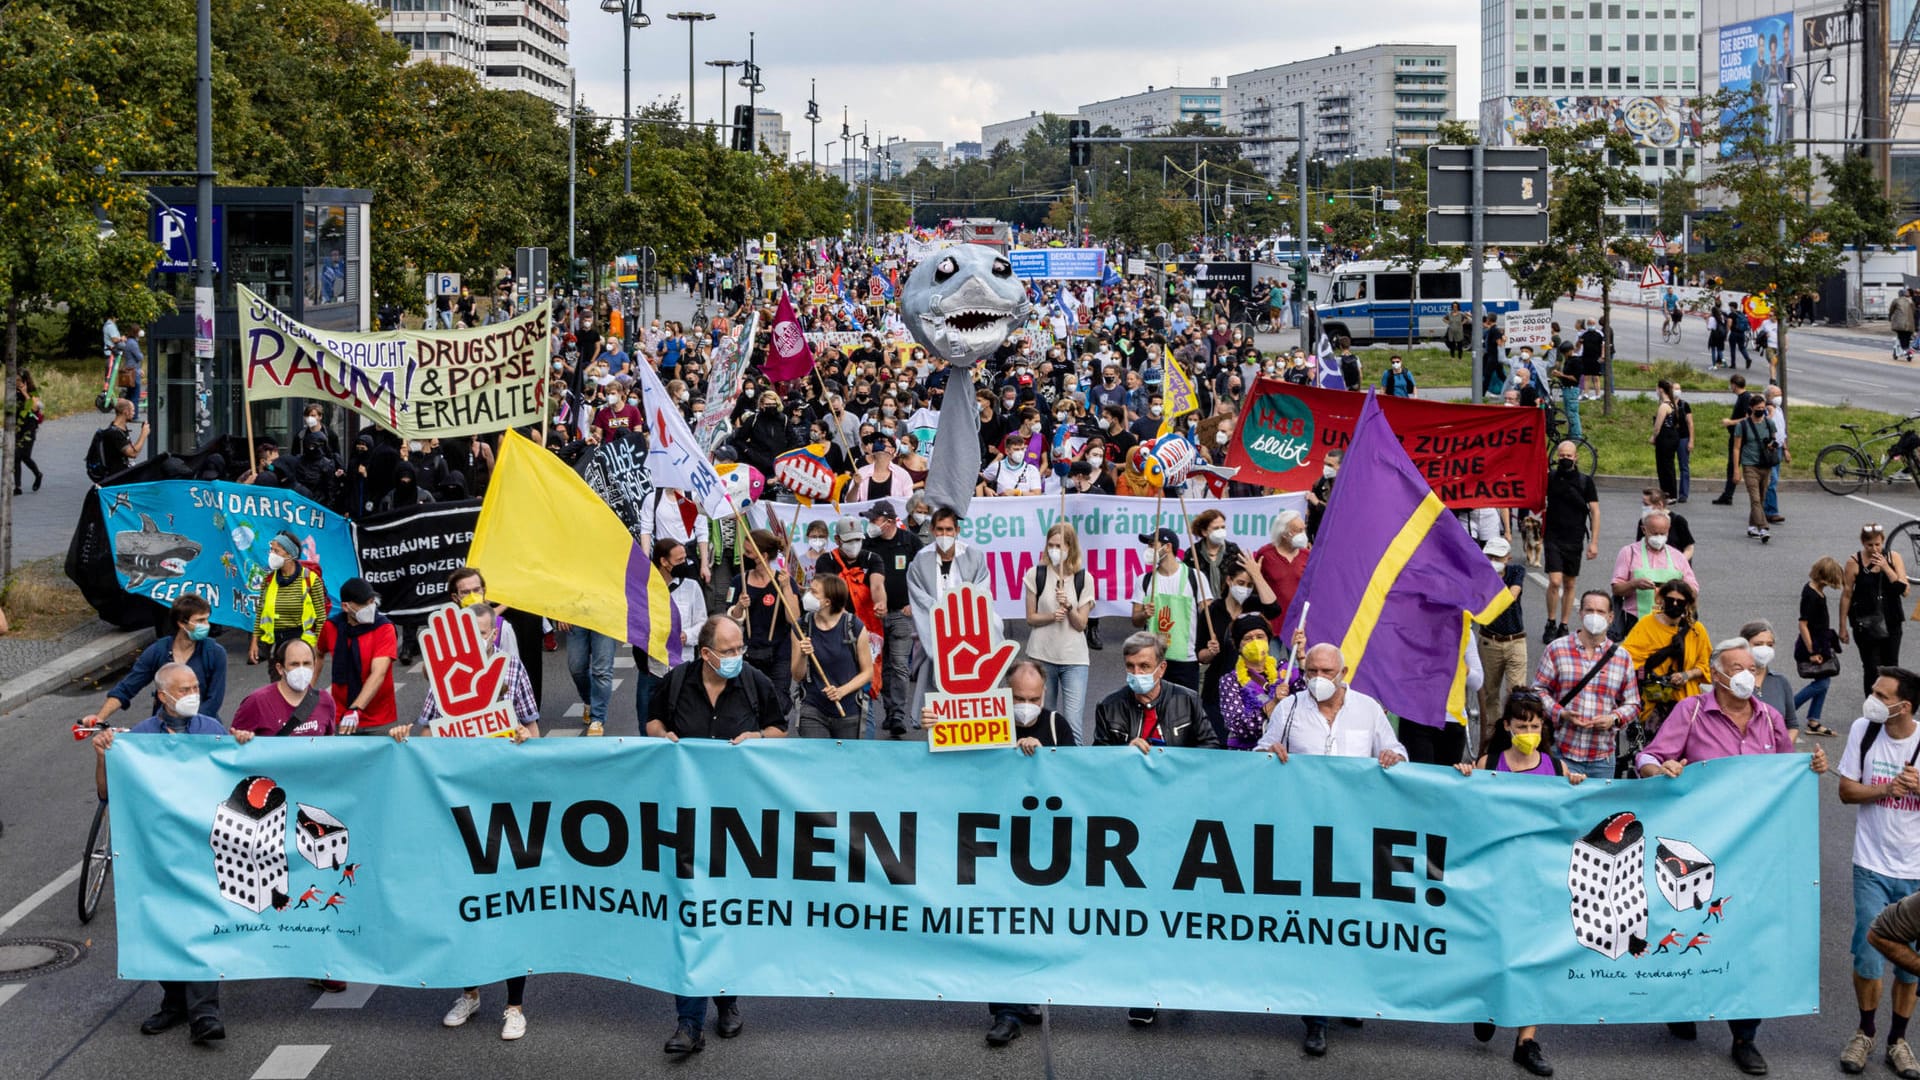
(789, 357)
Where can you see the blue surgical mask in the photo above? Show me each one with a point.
(1140, 683)
(200, 632)
(730, 666)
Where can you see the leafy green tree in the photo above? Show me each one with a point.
(1858, 211)
(62, 146)
(1583, 245)
(1767, 240)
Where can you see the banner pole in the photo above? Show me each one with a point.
(1153, 572)
(839, 435)
(786, 598)
(1184, 512)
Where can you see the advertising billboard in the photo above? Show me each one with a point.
(1758, 54)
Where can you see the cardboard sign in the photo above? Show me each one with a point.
(468, 677)
(1531, 329)
(970, 721)
(972, 710)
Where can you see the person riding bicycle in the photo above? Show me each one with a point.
(1670, 303)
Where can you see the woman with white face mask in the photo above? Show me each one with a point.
(291, 600)
(1281, 561)
(1059, 600)
(1770, 685)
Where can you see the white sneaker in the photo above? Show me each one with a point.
(463, 1009)
(513, 1024)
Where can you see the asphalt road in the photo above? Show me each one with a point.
(82, 1022)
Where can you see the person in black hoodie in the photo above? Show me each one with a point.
(764, 436)
(406, 489)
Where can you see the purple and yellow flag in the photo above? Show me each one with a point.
(549, 545)
(1394, 579)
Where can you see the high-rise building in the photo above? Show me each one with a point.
(964, 151)
(1011, 132)
(451, 32)
(908, 155)
(1634, 64)
(526, 48)
(1158, 108)
(1367, 103)
(510, 44)
(770, 131)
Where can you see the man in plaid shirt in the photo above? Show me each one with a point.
(1585, 724)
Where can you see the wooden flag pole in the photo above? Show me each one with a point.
(786, 598)
(1184, 512)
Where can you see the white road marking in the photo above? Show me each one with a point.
(7, 991)
(353, 997)
(1864, 382)
(1901, 514)
(25, 907)
(291, 1062)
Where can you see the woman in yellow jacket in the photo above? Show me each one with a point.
(1670, 650)
(292, 598)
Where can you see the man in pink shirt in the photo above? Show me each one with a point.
(1726, 721)
(1647, 563)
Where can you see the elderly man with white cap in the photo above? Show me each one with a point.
(1502, 642)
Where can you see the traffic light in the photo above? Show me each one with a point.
(1079, 153)
(578, 271)
(743, 127)
(1376, 193)
(1329, 198)
(1299, 276)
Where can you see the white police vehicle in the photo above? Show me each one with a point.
(1372, 300)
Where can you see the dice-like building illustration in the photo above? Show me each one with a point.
(1607, 877)
(320, 837)
(1684, 874)
(250, 844)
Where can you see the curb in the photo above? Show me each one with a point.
(1638, 483)
(101, 654)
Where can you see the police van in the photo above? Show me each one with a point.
(1372, 300)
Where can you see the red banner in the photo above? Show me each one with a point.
(1472, 455)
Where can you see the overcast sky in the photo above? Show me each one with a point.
(920, 71)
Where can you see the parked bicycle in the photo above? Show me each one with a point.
(1889, 455)
(1589, 457)
(96, 862)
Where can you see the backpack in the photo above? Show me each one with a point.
(1872, 736)
(97, 469)
(1042, 569)
(861, 592)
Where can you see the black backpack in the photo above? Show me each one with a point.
(97, 456)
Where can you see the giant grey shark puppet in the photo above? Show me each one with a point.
(961, 304)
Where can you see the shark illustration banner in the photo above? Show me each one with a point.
(1083, 876)
(210, 537)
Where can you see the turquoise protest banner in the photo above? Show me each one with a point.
(211, 537)
(1094, 876)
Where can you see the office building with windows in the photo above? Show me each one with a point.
(451, 32)
(1633, 64)
(1158, 108)
(1012, 132)
(526, 48)
(1368, 103)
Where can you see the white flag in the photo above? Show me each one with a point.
(673, 457)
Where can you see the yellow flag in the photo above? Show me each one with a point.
(1177, 393)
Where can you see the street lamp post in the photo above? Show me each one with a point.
(723, 65)
(813, 123)
(690, 18)
(630, 20)
(751, 80)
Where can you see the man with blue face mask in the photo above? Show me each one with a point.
(714, 696)
(177, 689)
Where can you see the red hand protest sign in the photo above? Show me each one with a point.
(969, 713)
(468, 677)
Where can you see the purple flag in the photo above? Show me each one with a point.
(1393, 578)
(1328, 376)
(790, 357)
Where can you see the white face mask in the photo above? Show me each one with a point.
(1321, 688)
(817, 544)
(944, 543)
(313, 423)
(1016, 457)
(1499, 565)
(1240, 593)
(1155, 411)
(1646, 510)
(1220, 437)
(299, 678)
(1217, 536)
(1740, 685)
(366, 612)
(850, 548)
(1297, 540)
(810, 603)
(1873, 710)
(1097, 460)
(1594, 623)
(187, 705)
(916, 518)
(1763, 655)
(275, 560)
(1657, 541)
(1056, 555)
(413, 447)
(1025, 713)
(1327, 472)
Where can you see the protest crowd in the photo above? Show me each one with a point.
(799, 618)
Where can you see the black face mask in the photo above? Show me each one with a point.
(1565, 465)
(1673, 608)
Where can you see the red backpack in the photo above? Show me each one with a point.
(862, 593)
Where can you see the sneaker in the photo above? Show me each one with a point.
(1753, 531)
(513, 1024)
(463, 1009)
(1853, 1060)
(1900, 1059)
(1765, 535)
(1527, 1055)
(595, 727)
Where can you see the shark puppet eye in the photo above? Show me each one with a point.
(946, 269)
(1002, 268)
